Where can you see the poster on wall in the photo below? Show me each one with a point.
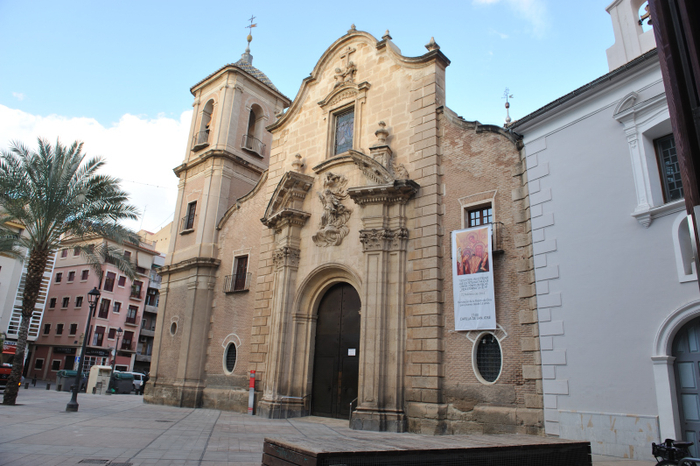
(472, 279)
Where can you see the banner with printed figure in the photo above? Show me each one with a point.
(472, 279)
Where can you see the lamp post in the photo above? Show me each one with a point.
(116, 348)
(72, 406)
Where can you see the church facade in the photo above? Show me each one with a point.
(313, 247)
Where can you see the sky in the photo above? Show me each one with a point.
(116, 75)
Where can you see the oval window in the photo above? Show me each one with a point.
(173, 328)
(230, 357)
(488, 358)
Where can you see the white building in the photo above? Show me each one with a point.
(617, 290)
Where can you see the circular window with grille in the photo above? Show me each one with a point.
(230, 358)
(487, 358)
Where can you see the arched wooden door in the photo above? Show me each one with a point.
(686, 349)
(337, 353)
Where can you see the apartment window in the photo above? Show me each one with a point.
(71, 276)
(73, 329)
(104, 308)
(126, 341)
(64, 252)
(344, 129)
(109, 281)
(59, 277)
(127, 255)
(112, 333)
(52, 303)
(47, 329)
(122, 281)
(188, 221)
(136, 289)
(65, 302)
(99, 336)
(56, 365)
(84, 275)
(39, 364)
(669, 168)
(78, 301)
(59, 329)
(76, 252)
(117, 307)
(479, 216)
(131, 315)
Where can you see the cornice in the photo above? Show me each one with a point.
(398, 192)
(217, 153)
(204, 262)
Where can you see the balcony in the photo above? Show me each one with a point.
(126, 346)
(143, 357)
(131, 320)
(148, 332)
(136, 294)
(150, 309)
(236, 283)
(200, 140)
(253, 145)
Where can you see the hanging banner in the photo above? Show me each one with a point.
(472, 279)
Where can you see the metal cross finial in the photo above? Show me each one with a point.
(507, 95)
(251, 26)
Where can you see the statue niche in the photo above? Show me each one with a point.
(335, 215)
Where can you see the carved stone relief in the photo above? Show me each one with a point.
(335, 215)
(383, 239)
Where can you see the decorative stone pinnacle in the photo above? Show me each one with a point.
(352, 29)
(432, 45)
(386, 35)
(381, 133)
(298, 163)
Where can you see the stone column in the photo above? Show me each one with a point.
(383, 334)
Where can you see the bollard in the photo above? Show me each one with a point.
(251, 393)
(59, 387)
(48, 386)
(26, 386)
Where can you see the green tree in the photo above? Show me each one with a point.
(56, 194)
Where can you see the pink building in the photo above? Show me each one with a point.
(121, 306)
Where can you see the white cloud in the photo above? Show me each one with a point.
(499, 34)
(533, 11)
(18, 96)
(141, 152)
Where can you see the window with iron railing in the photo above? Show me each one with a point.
(137, 290)
(104, 309)
(188, 220)
(126, 341)
(131, 315)
(240, 279)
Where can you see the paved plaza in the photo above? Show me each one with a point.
(121, 430)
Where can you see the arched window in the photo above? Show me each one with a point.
(201, 137)
(252, 139)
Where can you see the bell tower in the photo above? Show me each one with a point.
(227, 152)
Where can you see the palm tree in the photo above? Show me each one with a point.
(55, 194)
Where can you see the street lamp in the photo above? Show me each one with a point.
(116, 348)
(72, 406)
